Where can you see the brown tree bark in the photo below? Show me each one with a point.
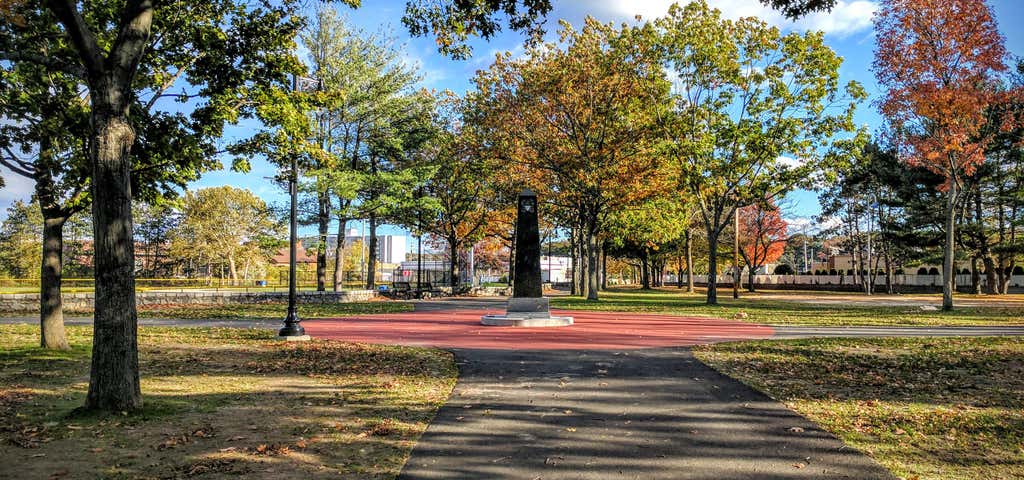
(339, 257)
(51, 313)
(323, 226)
(453, 264)
(712, 296)
(948, 274)
(689, 262)
(593, 283)
(114, 374)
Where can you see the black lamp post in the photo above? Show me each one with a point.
(292, 328)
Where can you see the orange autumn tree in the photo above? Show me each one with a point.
(938, 61)
(579, 115)
(762, 236)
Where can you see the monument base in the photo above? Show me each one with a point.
(526, 312)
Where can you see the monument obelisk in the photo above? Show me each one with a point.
(527, 307)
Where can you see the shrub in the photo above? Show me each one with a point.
(899, 271)
(833, 272)
(784, 269)
(933, 271)
(1018, 270)
(922, 271)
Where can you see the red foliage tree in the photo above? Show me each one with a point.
(939, 61)
(762, 236)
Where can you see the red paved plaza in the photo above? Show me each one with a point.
(592, 331)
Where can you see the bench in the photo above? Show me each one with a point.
(427, 290)
(400, 290)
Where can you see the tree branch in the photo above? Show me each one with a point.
(88, 50)
(132, 39)
(48, 62)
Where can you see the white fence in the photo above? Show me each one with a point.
(907, 280)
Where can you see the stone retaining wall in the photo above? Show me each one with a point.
(29, 302)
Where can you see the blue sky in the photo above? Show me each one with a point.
(848, 31)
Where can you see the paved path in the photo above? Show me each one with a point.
(608, 414)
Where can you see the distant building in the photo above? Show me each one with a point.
(555, 269)
(391, 249)
(283, 256)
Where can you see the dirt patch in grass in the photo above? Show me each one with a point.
(773, 308)
(220, 403)
(949, 408)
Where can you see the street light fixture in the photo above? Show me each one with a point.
(292, 329)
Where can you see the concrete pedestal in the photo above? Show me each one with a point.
(526, 312)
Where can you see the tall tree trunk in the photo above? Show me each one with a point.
(975, 276)
(604, 267)
(948, 274)
(232, 269)
(990, 275)
(51, 313)
(323, 224)
(114, 374)
(573, 282)
(689, 262)
(679, 271)
(712, 296)
(983, 251)
(339, 256)
(371, 255)
(453, 264)
(645, 269)
(888, 273)
(750, 278)
(592, 261)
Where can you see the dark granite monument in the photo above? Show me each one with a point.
(527, 307)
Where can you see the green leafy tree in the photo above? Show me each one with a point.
(579, 117)
(756, 113)
(113, 49)
(461, 193)
(49, 101)
(20, 247)
(226, 228)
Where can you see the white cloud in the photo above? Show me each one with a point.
(789, 161)
(847, 17)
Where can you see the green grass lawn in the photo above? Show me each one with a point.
(949, 408)
(771, 310)
(220, 402)
(273, 311)
(258, 311)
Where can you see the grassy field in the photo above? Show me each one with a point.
(220, 402)
(773, 309)
(950, 409)
(272, 311)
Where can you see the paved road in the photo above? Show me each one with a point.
(636, 414)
